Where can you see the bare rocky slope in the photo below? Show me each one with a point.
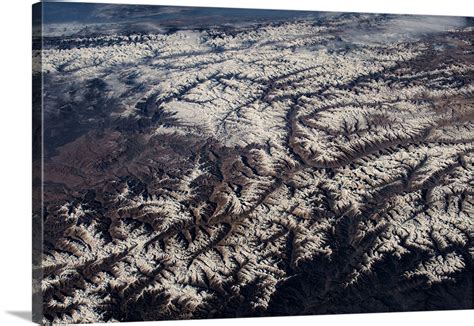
(278, 168)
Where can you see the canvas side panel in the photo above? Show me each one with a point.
(37, 164)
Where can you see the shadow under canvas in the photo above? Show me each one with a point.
(23, 314)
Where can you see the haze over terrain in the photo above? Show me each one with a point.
(209, 163)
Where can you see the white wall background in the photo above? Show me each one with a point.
(15, 156)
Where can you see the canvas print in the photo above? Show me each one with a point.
(197, 163)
